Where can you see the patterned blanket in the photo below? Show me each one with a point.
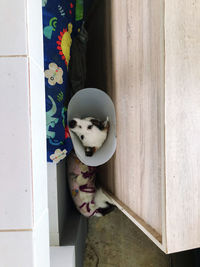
(62, 20)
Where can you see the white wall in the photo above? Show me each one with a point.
(24, 229)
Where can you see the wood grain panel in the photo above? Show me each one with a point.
(182, 31)
(134, 175)
(149, 63)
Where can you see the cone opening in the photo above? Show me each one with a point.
(92, 102)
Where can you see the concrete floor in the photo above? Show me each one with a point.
(114, 241)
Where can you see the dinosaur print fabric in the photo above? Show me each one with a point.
(59, 28)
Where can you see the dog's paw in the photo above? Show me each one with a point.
(108, 209)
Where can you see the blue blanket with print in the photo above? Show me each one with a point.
(61, 21)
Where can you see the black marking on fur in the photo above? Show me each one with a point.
(90, 127)
(98, 124)
(72, 124)
(106, 210)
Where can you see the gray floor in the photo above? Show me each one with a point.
(115, 241)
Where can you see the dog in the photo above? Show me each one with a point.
(91, 132)
(89, 200)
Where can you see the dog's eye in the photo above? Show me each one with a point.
(80, 126)
(82, 137)
(89, 127)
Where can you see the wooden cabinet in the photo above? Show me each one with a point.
(151, 69)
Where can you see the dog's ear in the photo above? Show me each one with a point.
(89, 151)
(72, 124)
(106, 123)
(99, 124)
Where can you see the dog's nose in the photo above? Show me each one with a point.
(72, 124)
(89, 151)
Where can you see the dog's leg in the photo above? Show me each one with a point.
(104, 204)
(106, 210)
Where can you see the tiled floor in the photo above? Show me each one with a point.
(115, 241)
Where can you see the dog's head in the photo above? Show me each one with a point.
(91, 132)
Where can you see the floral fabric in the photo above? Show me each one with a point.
(81, 180)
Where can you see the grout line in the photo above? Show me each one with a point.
(13, 56)
(35, 225)
(24, 56)
(16, 230)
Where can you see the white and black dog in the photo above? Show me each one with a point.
(91, 132)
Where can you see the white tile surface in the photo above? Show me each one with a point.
(35, 31)
(13, 30)
(15, 156)
(38, 137)
(41, 242)
(16, 249)
(62, 256)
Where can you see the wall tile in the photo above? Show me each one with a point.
(16, 249)
(13, 29)
(15, 157)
